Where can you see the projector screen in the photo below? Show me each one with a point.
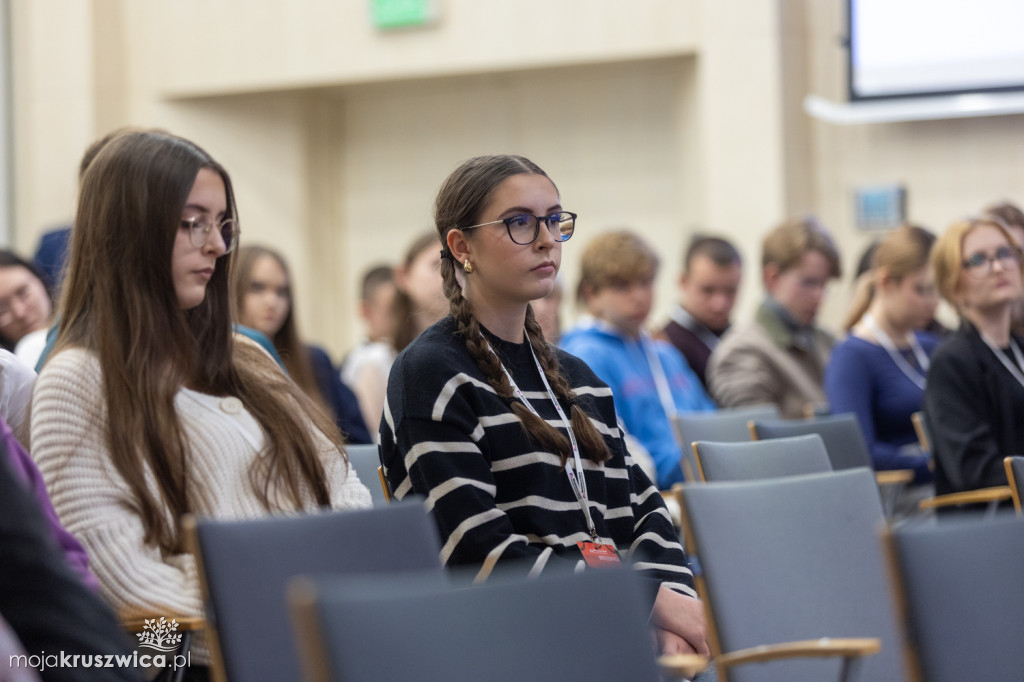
(902, 48)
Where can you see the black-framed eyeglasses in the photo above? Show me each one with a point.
(199, 232)
(524, 228)
(980, 264)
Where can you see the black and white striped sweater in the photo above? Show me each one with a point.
(447, 436)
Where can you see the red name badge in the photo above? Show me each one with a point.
(599, 556)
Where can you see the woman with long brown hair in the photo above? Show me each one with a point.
(878, 371)
(264, 301)
(418, 302)
(515, 443)
(150, 407)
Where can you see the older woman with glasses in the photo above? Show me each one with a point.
(150, 407)
(514, 443)
(974, 399)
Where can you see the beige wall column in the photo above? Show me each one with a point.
(740, 76)
(332, 306)
(54, 110)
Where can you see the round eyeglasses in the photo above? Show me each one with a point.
(524, 228)
(980, 264)
(199, 232)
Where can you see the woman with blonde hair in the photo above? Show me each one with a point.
(150, 407)
(974, 400)
(513, 442)
(878, 371)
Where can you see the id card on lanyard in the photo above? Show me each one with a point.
(599, 554)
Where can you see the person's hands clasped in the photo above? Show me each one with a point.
(679, 625)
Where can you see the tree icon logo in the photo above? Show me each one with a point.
(160, 634)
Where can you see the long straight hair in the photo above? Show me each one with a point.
(902, 252)
(403, 309)
(459, 204)
(286, 340)
(119, 302)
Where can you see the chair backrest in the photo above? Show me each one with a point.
(761, 458)
(1015, 478)
(843, 437)
(722, 426)
(590, 626)
(365, 459)
(962, 598)
(244, 566)
(794, 558)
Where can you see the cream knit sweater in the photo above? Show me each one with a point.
(69, 443)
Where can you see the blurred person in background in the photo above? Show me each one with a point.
(1012, 219)
(878, 371)
(650, 379)
(26, 308)
(366, 366)
(708, 286)
(974, 399)
(265, 301)
(418, 303)
(780, 356)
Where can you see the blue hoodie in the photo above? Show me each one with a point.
(621, 362)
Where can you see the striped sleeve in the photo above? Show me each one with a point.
(655, 548)
(443, 464)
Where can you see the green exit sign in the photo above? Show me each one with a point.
(401, 13)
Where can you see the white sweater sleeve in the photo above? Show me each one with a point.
(92, 499)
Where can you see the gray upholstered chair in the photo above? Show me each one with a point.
(244, 566)
(1015, 477)
(959, 586)
(761, 458)
(590, 626)
(788, 561)
(728, 425)
(845, 444)
(365, 459)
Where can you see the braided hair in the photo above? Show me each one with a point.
(461, 199)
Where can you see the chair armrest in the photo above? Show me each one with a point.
(678, 666)
(981, 495)
(384, 484)
(894, 476)
(184, 624)
(826, 647)
(1015, 485)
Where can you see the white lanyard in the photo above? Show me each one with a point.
(574, 467)
(1010, 367)
(918, 377)
(660, 378)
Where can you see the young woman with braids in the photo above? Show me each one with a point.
(149, 406)
(513, 442)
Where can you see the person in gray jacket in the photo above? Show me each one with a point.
(779, 357)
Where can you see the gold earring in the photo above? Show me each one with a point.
(468, 267)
